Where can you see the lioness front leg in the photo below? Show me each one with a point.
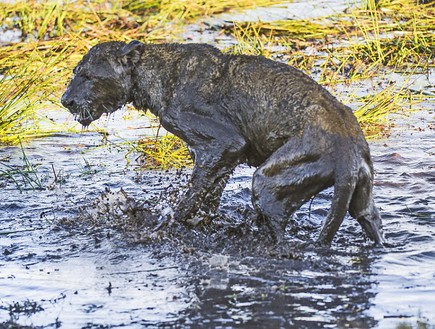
(218, 149)
(206, 185)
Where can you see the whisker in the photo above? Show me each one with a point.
(108, 120)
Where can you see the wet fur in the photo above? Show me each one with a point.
(233, 109)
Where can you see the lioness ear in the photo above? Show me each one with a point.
(132, 51)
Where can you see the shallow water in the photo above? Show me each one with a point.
(80, 278)
(91, 275)
(63, 267)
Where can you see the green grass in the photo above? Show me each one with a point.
(24, 177)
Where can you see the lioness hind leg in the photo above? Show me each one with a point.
(344, 186)
(289, 178)
(362, 206)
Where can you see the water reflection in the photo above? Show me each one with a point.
(259, 293)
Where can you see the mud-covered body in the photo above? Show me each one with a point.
(234, 109)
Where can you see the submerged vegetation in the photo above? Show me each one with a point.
(24, 176)
(374, 40)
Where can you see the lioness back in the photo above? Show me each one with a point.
(272, 102)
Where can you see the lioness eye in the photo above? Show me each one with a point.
(77, 69)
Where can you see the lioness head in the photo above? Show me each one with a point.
(102, 80)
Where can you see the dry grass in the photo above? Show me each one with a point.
(163, 152)
(367, 42)
(56, 34)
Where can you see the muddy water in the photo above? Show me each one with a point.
(80, 253)
(61, 268)
(52, 274)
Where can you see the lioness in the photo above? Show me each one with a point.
(233, 109)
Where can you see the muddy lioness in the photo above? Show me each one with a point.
(234, 109)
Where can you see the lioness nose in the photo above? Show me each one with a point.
(67, 102)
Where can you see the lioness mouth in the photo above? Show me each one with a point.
(85, 121)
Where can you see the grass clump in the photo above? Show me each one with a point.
(374, 112)
(163, 152)
(395, 34)
(29, 83)
(24, 177)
